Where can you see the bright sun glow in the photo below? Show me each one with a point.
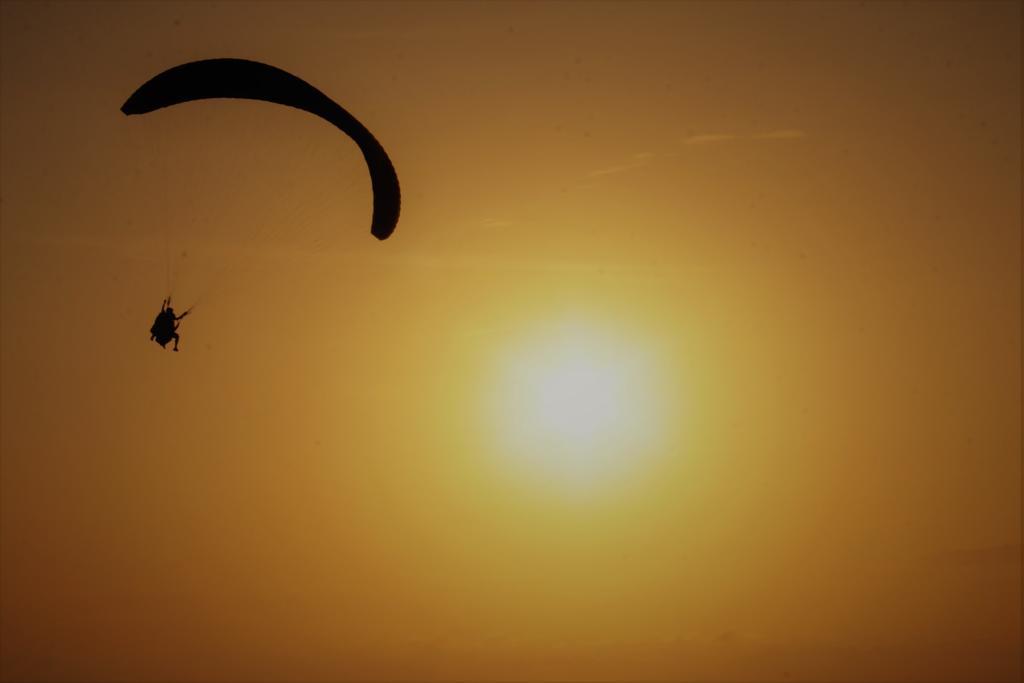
(578, 405)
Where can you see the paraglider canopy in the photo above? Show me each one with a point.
(245, 79)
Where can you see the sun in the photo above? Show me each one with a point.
(577, 404)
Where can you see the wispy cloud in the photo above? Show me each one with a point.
(709, 138)
(639, 159)
(612, 169)
(715, 138)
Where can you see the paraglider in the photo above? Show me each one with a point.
(245, 79)
(165, 326)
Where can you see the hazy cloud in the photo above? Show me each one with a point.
(708, 138)
(639, 159)
(612, 169)
(712, 138)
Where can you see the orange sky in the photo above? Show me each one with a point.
(792, 232)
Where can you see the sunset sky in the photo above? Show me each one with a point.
(695, 356)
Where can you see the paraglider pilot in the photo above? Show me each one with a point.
(165, 326)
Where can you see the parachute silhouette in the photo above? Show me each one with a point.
(245, 79)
